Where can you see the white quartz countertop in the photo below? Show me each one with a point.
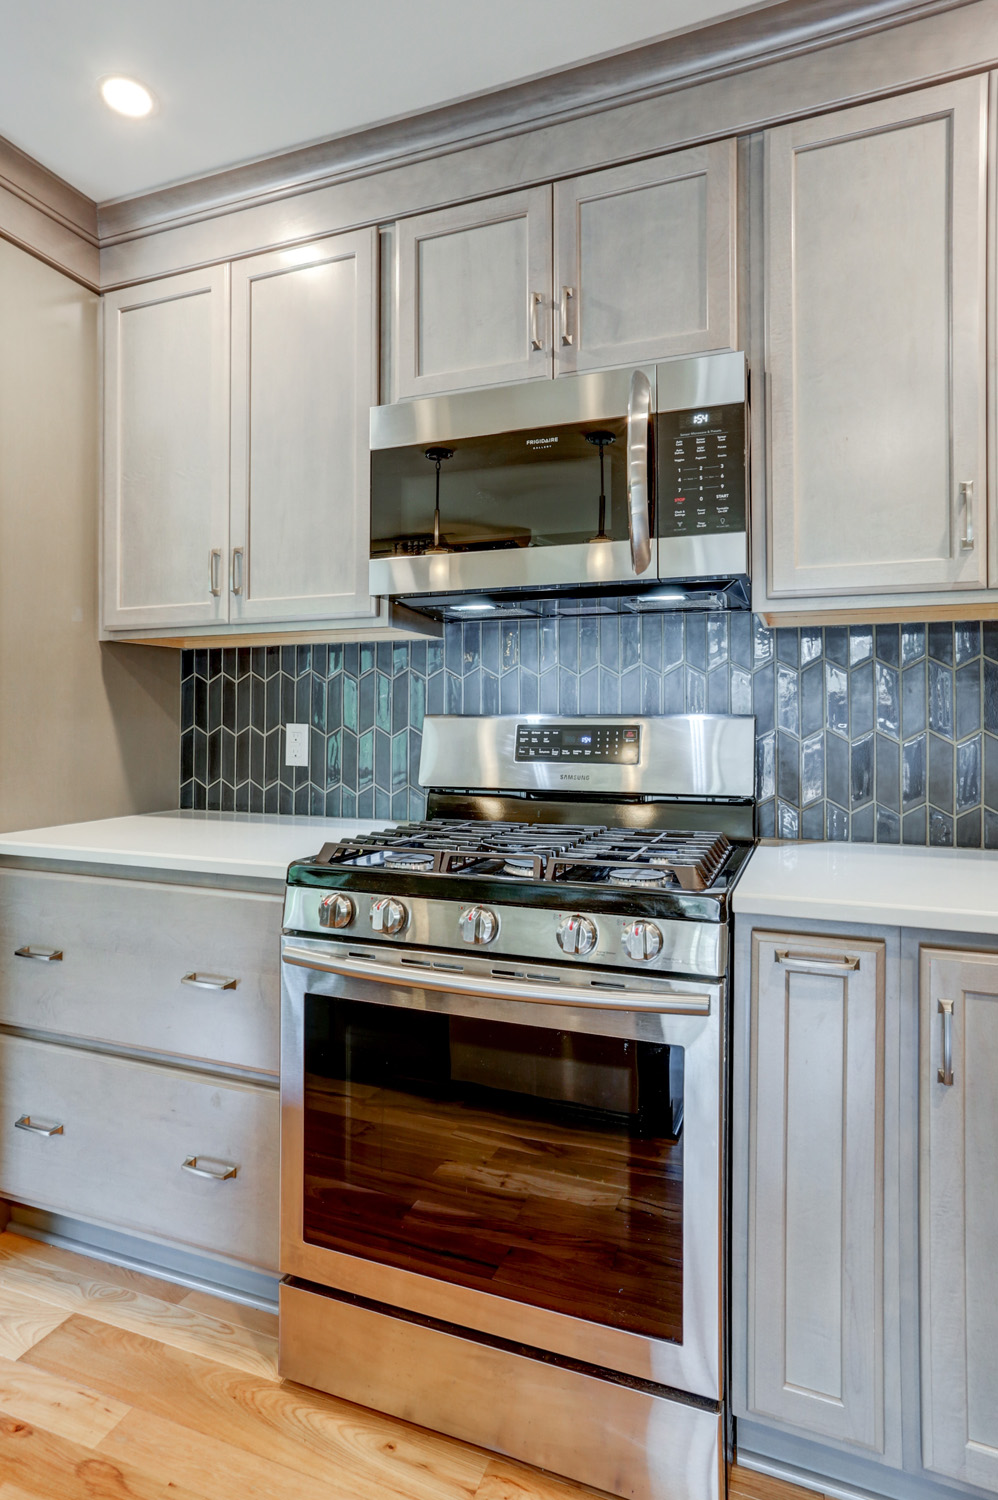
(953, 889)
(243, 845)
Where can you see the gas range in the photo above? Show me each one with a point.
(503, 1055)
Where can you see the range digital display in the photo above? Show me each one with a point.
(604, 744)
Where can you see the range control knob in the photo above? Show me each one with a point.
(577, 934)
(478, 924)
(388, 915)
(336, 911)
(642, 940)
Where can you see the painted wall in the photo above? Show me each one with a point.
(886, 734)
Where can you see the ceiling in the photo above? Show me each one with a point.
(239, 79)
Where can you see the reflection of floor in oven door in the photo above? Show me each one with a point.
(584, 1221)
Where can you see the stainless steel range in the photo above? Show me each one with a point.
(503, 1081)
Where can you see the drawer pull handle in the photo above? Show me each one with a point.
(43, 955)
(221, 1174)
(26, 1123)
(209, 981)
(813, 963)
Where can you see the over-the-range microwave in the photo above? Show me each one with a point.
(625, 489)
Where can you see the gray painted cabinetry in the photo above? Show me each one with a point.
(191, 539)
(865, 1206)
(628, 265)
(139, 1058)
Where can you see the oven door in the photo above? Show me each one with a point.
(508, 1155)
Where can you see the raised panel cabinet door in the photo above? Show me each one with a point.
(474, 295)
(166, 451)
(303, 383)
(876, 300)
(958, 1214)
(644, 260)
(816, 1153)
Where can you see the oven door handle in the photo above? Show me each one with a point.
(499, 987)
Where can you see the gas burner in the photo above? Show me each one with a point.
(522, 866)
(413, 862)
(640, 876)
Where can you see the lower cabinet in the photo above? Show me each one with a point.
(958, 1213)
(181, 1156)
(815, 1316)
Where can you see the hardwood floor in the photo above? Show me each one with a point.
(116, 1386)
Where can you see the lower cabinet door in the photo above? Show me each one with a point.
(154, 1150)
(815, 1192)
(958, 1205)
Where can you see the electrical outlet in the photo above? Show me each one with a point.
(296, 745)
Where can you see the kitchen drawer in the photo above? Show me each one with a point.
(126, 946)
(127, 1127)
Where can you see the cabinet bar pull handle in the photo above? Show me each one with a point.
(222, 1174)
(215, 572)
(813, 963)
(536, 342)
(208, 981)
(43, 955)
(945, 1074)
(25, 1123)
(237, 569)
(967, 496)
(567, 295)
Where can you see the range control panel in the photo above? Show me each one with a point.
(604, 744)
(701, 470)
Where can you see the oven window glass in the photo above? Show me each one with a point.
(540, 1165)
(522, 489)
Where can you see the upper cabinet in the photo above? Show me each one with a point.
(166, 451)
(474, 294)
(236, 476)
(303, 383)
(876, 234)
(644, 260)
(628, 265)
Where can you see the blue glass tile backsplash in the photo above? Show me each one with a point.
(886, 733)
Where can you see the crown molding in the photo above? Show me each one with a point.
(751, 39)
(47, 216)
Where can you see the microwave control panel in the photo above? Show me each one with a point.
(701, 470)
(604, 744)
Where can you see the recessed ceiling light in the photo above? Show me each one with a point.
(127, 97)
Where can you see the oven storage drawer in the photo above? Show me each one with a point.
(141, 1147)
(182, 971)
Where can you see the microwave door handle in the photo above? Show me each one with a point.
(639, 471)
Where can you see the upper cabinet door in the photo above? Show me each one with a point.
(644, 260)
(958, 1193)
(474, 295)
(303, 382)
(876, 286)
(166, 452)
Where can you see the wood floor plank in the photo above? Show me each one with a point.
(65, 1408)
(256, 1319)
(305, 1430)
(87, 1265)
(50, 1467)
(24, 1320)
(181, 1327)
(746, 1484)
(507, 1480)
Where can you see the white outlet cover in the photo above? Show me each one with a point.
(296, 745)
